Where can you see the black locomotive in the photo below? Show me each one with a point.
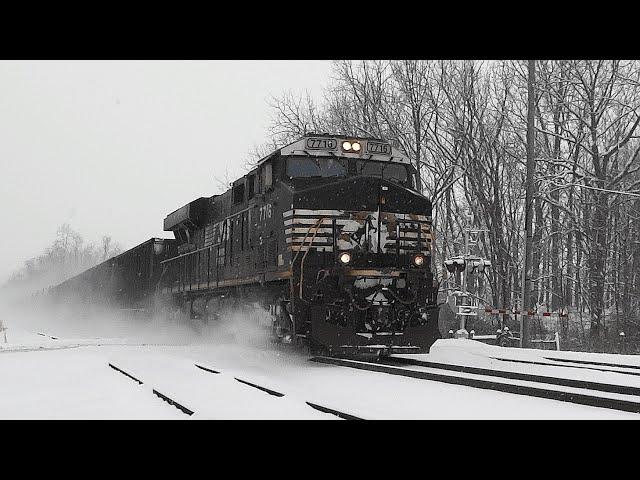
(328, 234)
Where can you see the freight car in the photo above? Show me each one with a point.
(126, 281)
(329, 234)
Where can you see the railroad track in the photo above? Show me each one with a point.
(594, 394)
(189, 410)
(561, 381)
(586, 362)
(581, 365)
(158, 394)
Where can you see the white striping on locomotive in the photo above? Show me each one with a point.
(406, 232)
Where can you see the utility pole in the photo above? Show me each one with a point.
(526, 271)
(468, 224)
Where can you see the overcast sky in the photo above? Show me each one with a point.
(111, 147)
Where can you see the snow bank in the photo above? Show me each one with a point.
(457, 348)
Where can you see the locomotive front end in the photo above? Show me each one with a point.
(361, 240)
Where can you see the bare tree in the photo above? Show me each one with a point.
(463, 124)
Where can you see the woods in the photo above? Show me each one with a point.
(463, 124)
(67, 256)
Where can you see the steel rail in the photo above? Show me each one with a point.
(343, 415)
(586, 362)
(160, 395)
(532, 362)
(525, 390)
(565, 382)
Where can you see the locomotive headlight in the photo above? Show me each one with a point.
(345, 258)
(355, 146)
(347, 146)
(418, 260)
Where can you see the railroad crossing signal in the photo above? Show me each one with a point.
(474, 237)
(468, 310)
(455, 265)
(472, 264)
(463, 303)
(467, 305)
(479, 264)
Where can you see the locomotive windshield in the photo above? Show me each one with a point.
(393, 172)
(327, 167)
(305, 167)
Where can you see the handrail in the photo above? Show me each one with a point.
(191, 253)
(317, 227)
(224, 222)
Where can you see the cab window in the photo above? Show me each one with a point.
(305, 167)
(238, 193)
(393, 172)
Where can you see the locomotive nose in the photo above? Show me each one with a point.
(362, 193)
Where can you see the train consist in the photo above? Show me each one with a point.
(328, 234)
(128, 280)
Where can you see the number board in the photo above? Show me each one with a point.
(377, 147)
(321, 144)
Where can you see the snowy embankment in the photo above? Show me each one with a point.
(596, 367)
(544, 363)
(456, 348)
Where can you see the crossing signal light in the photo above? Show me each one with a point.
(472, 266)
(480, 265)
(455, 265)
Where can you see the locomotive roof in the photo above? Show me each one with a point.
(299, 146)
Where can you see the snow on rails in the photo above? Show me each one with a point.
(118, 378)
(621, 398)
(203, 392)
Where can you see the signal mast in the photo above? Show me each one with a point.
(466, 266)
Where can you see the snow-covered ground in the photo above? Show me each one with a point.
(69, 376)
(454, 348)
